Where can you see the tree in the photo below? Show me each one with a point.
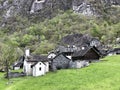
(9, 53)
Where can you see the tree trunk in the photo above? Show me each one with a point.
(7, 69)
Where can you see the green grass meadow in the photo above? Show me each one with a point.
(104, 75)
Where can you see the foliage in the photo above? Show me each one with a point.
(69, 23)
(44, 48)
(9, 53)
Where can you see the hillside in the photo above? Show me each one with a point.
(41, 24)
(103, 75)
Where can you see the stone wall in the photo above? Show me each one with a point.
(60, 62)
(78, 64)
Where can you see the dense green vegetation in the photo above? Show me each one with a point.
(52, 30)
(103, 75)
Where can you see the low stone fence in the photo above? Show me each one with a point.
(15, 74)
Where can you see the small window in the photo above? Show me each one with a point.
(40, 63)
(40, 68)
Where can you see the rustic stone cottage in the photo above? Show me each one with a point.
(84, 56)
(60, 62)
(74, 56)
(114, 51)
(76, 39)
(66, 50)
(19, 64)
(36, 65)
(79, 40)
(88, 53)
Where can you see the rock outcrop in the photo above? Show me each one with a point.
(41, 9)
(12, 7)
(90, 7)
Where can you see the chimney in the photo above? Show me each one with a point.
(27, 52)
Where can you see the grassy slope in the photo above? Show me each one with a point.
(104, 75)
(2, 82)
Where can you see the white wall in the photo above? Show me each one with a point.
(46, 66)
(37, 1)
(16, 68)
(24, 66)
(36, 69)
(51, 55)
(27, 67)
(81, 64)
(110, 54)
(27, 52)
(70, 57)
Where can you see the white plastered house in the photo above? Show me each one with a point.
(36, 65)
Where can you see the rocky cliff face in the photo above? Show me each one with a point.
(13, 7)
(46, 8)
(90, 7)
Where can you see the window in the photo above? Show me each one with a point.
(40, 63)
(40, 68)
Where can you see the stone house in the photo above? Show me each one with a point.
(36, 65)
(83, 57)
(19, 64)
(60, 62)
(74, 56)
(90, 54)
(114, 51)
(66, 50)
(40, 68)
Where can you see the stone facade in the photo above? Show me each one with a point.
(78, 64)
(60, 62)
(115, 51)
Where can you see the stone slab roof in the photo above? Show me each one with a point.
(37, 58)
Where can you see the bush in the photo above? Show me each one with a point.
(44, 47)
